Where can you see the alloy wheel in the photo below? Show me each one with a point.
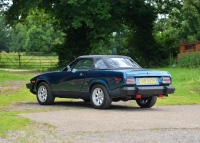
(98, 96)
(42, 93)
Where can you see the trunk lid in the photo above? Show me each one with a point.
(146, 73)
(147, 77)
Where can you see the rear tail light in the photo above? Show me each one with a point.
(130, 81)
(166, 80)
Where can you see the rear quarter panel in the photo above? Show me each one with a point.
(105, 77)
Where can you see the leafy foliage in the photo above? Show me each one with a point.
(90, 24)
(191, 20)
(181, 25)
(4, 32)
(35, 34)
(189, 60)
(18, 38)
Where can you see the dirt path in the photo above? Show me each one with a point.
(79, 122)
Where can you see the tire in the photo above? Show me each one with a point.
(147, 102)
(44, 95)
(99, 97)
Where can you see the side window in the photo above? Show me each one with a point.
(100, 64)
(83, 65)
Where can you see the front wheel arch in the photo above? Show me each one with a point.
(40, 81)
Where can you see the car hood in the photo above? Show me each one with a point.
(45, 74)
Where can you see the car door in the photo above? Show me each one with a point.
(71, 81)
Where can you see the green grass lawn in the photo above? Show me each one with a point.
(12, 89)
(187, 85)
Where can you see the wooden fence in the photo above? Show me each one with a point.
(28, 60)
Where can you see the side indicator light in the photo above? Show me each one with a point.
(117, 79)
(138, 96)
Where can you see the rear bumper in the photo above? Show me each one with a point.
(128, 91)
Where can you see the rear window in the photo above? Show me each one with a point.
(122, 63)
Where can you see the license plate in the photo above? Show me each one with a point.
(147, 80)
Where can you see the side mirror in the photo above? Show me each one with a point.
(68, 68)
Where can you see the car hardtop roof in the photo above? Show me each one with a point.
(103, 56)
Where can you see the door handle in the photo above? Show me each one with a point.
(81, 74)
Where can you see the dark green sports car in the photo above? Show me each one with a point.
(101, 79)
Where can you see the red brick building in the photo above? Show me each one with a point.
(189, 47)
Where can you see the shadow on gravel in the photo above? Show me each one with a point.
(72, 104)
(79, 104)
(114, 106)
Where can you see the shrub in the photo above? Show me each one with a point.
(189, 60)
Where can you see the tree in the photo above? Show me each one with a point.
(88, 23)
(18, 38)
(43, 38)
(190, 24)
(4, 32)
(35, 34)
(41, 34)
(182, 24)
(167, 37)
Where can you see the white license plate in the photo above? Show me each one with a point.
(147, 81)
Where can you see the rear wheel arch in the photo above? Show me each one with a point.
(94, 83)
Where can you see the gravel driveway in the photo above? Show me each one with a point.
(77, 121)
